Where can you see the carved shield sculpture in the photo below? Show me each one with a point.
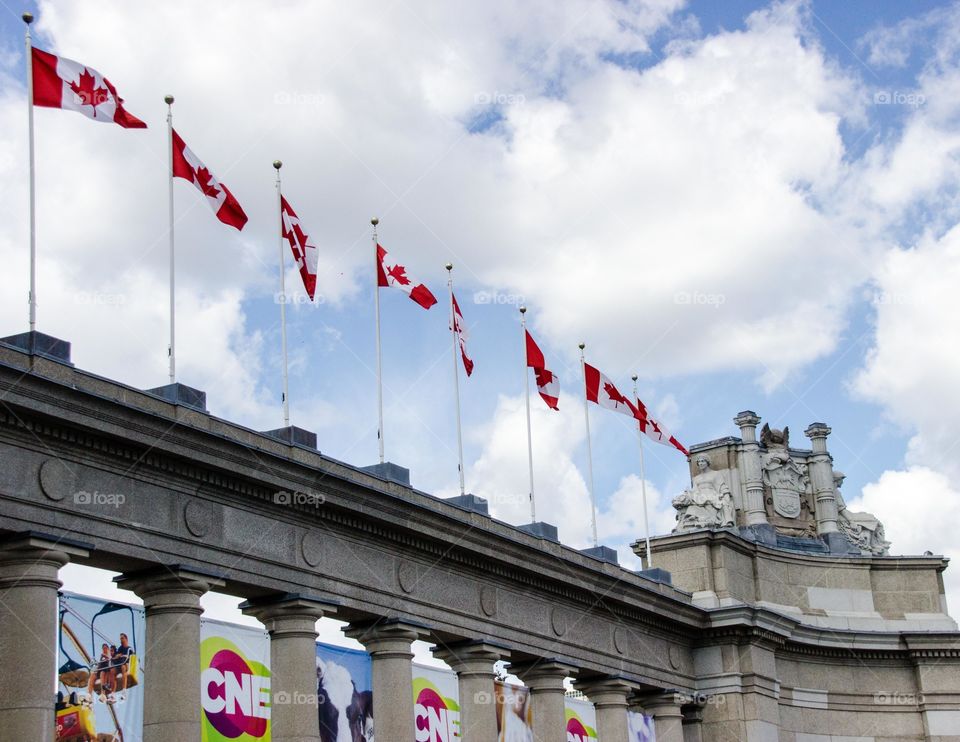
(786, 485)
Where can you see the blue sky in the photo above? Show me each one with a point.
(594, 164)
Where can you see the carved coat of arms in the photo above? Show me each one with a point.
(787, 485)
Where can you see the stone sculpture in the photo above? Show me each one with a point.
(708, 503)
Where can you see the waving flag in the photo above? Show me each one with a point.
(304, 252)
(603, 392)
(656, 431)
(59, 82)
(458, 327)
(186, 165)
(394, 274)
(547, 383)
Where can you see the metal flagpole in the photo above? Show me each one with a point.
(643, 481)
(28, 19)
(586, 418)
(172, 349)
(526, 387)
(376, 302)
(456, 372)
(283, 302)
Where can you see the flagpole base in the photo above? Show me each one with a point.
(38, 344)
(603, 553)
(390, 472)
(657, 575)
(470, 502)
(541, 530)
(294, 436)
(181, 394)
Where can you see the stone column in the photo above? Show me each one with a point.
(291, 620)
(388, 643)
(820, 469)
(750, 473)
(171, 601)
(473, 663)
(29, 563)
(609, 698)
(667, 716)
(545, 679)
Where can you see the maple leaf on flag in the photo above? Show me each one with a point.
(399, 274)
(87, 91)
(205, 179)
(614, 393)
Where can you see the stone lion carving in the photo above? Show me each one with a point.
(863, 530)
(707, 504)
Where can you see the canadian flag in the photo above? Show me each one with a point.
(656, 431)
(59, 82)
(547, 383)
(186, 165)
(304, 252)
(394, 274)
(461, 331)
(602, 391)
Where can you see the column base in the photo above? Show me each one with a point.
(390, 472)
(470, 502)
(603, 553)
(541, 530)
(294, 436)
(181, 394)
(38, 344)
(762, 533)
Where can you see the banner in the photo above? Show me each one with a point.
(581, 720)
(514, 713)
(640, 727)
(436, 707)
(234, 683)
(344, 694)
(100, 672)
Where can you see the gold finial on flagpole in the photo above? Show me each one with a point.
(27, 18)
(277, 164)
(523, 309)
(168, 99)
(449, 267)
(634, 377)
(374, 221)
(582, 346)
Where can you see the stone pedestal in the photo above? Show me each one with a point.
(388, 643)
(291, 621)
(473, 663)
(171, 601)
(545, 679)
(29, 564)
(609, 698)
(667, 716)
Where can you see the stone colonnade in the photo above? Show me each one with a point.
(29, 565)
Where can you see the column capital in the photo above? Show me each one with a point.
(543, 674)
(289, 613)
(174, 587)
(387, 635)
(34, 545)
(471, 655)
(661, 705)
(606, 690)
(747, 421)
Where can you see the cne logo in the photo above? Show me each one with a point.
(436, 719)
(234, 697)
(577, 731)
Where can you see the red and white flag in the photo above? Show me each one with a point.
(656, 431)
(59, 82)
(460, 329)
(394, 274)
(186, 165)
(547, 383)
(603, 391)
(305, 253)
